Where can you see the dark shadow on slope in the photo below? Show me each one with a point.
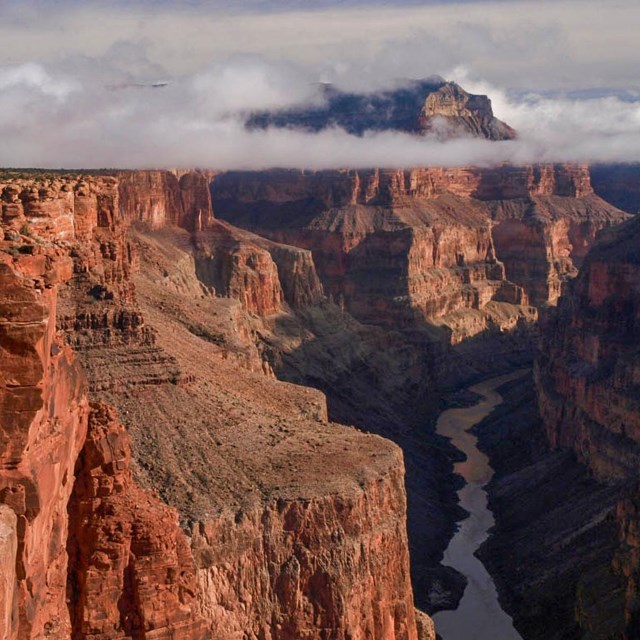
(552, 549)
(395, 384)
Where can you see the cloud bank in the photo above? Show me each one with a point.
(89, 101)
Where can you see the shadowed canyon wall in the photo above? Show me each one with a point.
(588, 381)
(566, 455)
(400, 247)
(618, 184)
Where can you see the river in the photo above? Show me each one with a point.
(479, 615)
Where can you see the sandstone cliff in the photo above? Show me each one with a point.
(587, 376)
(159, 198)
(131, 572)
(181, 321)
(589, 363)
(446, 245)
(452, 112)
(43, 412)
(45, 416)
(389, 245)
(291, 525)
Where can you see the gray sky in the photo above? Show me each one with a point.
(61, 61)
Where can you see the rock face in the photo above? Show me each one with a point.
(292, 526)
(276, 522)
(435, 245)
(8, 582)
(588, 377)
(261, 274)
(544, 243)
(160, 198)
(589, 367)
(452, 112)
(431, 106)
(383, 247)
(551, 550)
(330, 564)
(131, 573)
(43, 412)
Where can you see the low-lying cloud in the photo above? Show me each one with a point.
(161, 88)
(54, 120)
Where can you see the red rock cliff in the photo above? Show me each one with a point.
(588, 368)
(358, 221)
(277, 547)
(159, 198)
(131, 572)
(588, 380)
(43, 413)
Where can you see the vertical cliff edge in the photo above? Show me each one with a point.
(242, 511)
(588, 381)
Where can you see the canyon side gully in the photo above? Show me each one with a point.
(479, 615)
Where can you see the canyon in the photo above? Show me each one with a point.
(198, 367)
(565, 451)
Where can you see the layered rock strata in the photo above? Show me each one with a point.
(160, 198)
(588, 369)
(446, 245)
(275, 547)
(43, 413)
(372, 378)
(131, 571)
(390, 257)
(588, 380)
(263, 275)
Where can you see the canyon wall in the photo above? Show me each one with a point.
(445, 246)
(159, 198)
(588, 369)
(588, 381)
(278, 522)
(555, 537)
(270, 545)
(43, 412)
(131, 572)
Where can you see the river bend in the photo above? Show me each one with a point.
(479, 615)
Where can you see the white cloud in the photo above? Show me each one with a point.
(34, 76)
(246, 83)
(59, 71)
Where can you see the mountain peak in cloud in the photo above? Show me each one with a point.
(429, 106)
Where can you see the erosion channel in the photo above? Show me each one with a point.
(479, 615)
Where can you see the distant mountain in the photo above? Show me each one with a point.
(432, 105)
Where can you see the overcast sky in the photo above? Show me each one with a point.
(564, 73)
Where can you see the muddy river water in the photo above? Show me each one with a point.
(479, 615)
